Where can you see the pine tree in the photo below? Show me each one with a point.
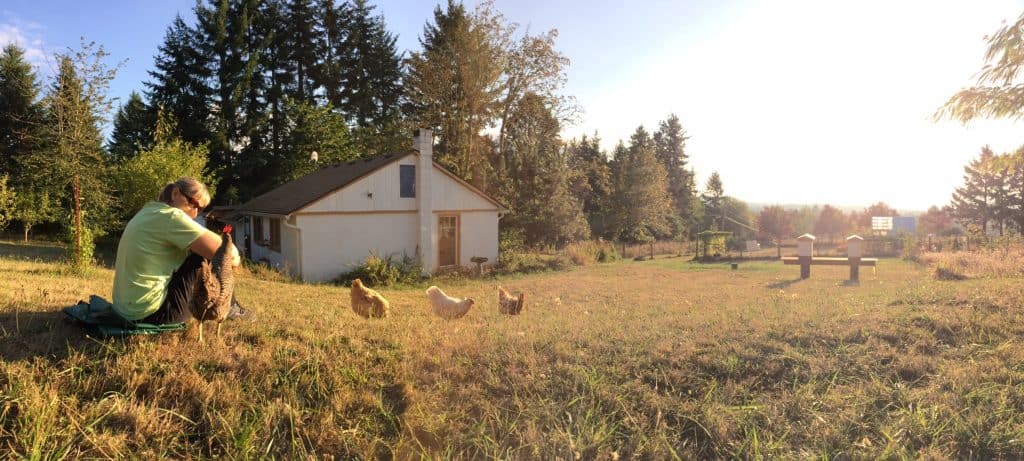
(591, 183)
(133, 129)
(643, 206)
(979, 199)
(670, 144)
(20, 113)
(299, 41)
(536, 184)
(453, 86)
(73, 163)
(714, 193)
(180, 84)
(371, 68)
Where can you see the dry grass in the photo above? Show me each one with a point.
(998, 261)
(661, 359)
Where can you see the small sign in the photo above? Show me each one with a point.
(881, 223)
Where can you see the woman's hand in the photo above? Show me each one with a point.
(236, 259)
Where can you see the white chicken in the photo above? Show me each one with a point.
(447, 307)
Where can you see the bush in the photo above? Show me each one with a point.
(587, 252)
(377, 271)
(945, 271)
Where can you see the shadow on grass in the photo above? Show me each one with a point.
(50, 334)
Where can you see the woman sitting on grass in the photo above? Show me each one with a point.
(159, 256)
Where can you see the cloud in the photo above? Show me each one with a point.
(26, 37)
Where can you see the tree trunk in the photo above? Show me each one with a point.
(78, 223)
(778, 247)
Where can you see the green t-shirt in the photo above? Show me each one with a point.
(154, 244)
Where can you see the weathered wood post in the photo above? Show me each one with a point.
(854, 251)
(804, 250)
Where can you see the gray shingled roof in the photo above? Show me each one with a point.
(294, 195)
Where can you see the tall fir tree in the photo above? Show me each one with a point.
(298, 38)
(133, 129)
(181, 82)
(371, 76)
(536, 184)
(20, 112)
(670, 146)
(643, 206)
(453, 85)
(977, 200)
(713, 197)
(591, 182)
(73, 163)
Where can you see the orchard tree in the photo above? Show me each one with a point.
(831, 222)
(935, 221)
(775, 223)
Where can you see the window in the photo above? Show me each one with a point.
(275, 235)
(257, 230)
(407, 177)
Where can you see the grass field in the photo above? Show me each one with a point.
(658, 359)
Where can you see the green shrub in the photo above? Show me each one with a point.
(377, 271)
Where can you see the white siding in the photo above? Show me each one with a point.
(382, 185)
(334, 244)
(479, 236)
(379, 191)
(451, 195)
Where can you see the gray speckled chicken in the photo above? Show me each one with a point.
(215, 286)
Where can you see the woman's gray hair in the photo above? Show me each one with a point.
(187, 186)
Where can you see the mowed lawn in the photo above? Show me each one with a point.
(658, 359)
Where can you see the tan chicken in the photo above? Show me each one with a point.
(216, 286)
(366, 302)
(447, 307)
(508, 304)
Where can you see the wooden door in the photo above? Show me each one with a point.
(447, 240)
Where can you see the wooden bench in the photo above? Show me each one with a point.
(819, 261)
(805, 248)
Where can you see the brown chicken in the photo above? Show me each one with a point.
(508, 304)
(366, 302)
(216, 286)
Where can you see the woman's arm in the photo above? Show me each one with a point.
(206, 245)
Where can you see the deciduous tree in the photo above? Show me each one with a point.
(775, 223)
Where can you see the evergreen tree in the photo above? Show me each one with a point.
(453, 86)
(20, 112)
(536, 187)
(371, 72)
(713, 198)
(73, 162)
(643, 206)
(977, 201)
(591, 183)
(298, 38)
(670, 144)
(181, 82)
(133, 129)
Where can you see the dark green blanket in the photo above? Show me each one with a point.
(99, 315)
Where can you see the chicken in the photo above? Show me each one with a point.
(366, 302)
(447, 307)
(508, 304)
(216, 286)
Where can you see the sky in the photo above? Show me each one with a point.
(790, 101)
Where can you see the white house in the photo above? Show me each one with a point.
(327, 222)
